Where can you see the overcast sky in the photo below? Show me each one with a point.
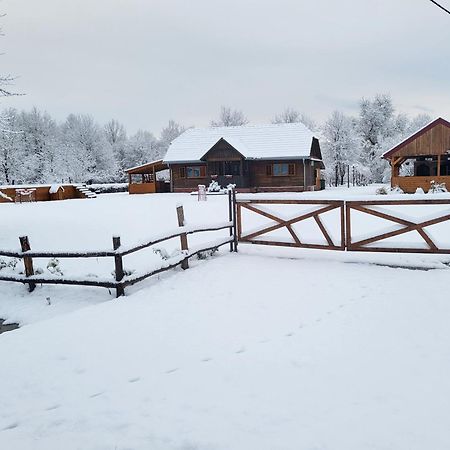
(146, 61)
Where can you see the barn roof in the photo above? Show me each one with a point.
(273, 141)
(417, 134)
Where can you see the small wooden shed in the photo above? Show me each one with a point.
(427, 154)
(143, 179)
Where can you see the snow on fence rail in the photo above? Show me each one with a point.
(118, 252)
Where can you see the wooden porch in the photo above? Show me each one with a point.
(143, 179)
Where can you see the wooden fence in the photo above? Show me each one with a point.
(118, 251)
(343, 225)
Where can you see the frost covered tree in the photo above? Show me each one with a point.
(142, 147)
(116, 136)
(340, 146)
(38, 134)
(11, 152)
(290, 115)
(87, 155)
(168, 134)
(229, 118)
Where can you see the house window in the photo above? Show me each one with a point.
(195, 171)
(182, 172)
(281, 170)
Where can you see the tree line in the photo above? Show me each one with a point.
(35, 148)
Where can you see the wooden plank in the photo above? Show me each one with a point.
(235, 220)
(324, 231)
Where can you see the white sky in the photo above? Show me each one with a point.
(144, 62)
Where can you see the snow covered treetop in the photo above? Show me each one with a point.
(272, 141)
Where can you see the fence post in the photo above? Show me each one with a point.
(235, 212)
(183, 237)
(230, 217)
(27, 261)
(118, 263)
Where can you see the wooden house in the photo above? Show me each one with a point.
(427, 155)
(255, 158)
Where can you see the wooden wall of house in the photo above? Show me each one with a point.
(180, 184)
(259, 177)
(435, 141)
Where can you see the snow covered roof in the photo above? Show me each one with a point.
(415, 135)
(273, 141)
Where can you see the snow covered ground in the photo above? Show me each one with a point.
(265, 349)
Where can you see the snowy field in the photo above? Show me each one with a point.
(270, 348)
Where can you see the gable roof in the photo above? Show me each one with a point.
(417, 134)
(273, 141)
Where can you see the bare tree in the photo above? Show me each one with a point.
(291, 115)
(229, 118)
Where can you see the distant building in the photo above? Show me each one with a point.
(427, 152)
(264, 158)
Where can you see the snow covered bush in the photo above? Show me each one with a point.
(437, 188)
(231, 186)
(382, 191)
(419, 190)
(214, 186)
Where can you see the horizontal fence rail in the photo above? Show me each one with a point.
(344, 225)
(118, 252)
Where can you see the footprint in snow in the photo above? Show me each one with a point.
(97, 394)
(264, 341)
(319, 320)
(172, 370)
(289, 334)
(206, 359)
(241, 350)
(11, 426)
(51, 408)
(134, 380)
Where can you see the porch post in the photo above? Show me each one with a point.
(439, 165)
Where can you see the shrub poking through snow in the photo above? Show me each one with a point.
(207, 253)
(231, 186)
(162, 253)
(437, 188)
(396, 190)
(12, 263)
(38, 271)
(53, 267)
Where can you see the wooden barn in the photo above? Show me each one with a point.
(255, 158)
(422, 158)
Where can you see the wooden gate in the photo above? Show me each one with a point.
(277, 222)
(400, 225)
(341, 233)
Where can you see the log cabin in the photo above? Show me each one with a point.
(254, 158)
(426, 155)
